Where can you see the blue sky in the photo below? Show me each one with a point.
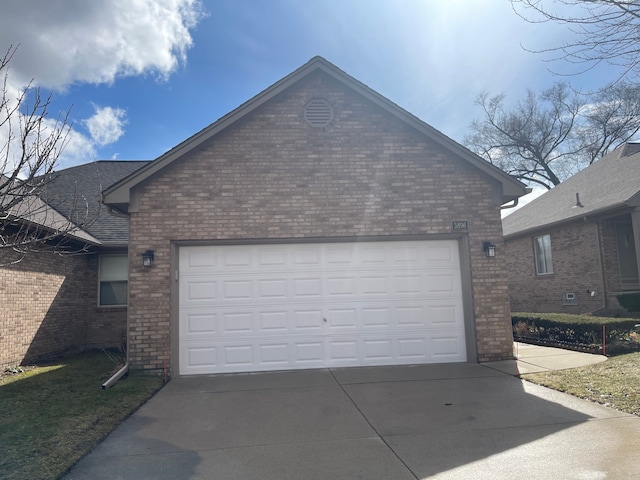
(140, 76)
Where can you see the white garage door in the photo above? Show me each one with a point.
(278, 307)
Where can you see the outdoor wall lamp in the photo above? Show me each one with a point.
(147, 258)
(489, 249)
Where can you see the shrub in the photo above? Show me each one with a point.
(629, 301)
(580, 332)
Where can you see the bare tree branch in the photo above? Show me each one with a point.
(548, 137)
(30, 147)
(606, 31)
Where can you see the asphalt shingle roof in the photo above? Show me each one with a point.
(84, 183)
(609, 183)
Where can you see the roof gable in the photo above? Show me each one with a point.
(119, 195)
(611, 183)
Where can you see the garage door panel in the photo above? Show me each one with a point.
(198, 259)
(237, 290)
(412, 349)
(238, 355)
(274, 321)
(343, 286)
(195, 322)
(373, 255)
(254, 354)
(305, 287)
(377, 317)
(411, 316)
(447, 347)
(340, 255)
(237, 322)
(306, 256)
(373, 285)
(274, 354)
(378, 350)
(273, 307)
(195, 290)
(237, 258)
(272, 258)
(308, 353)
(228, 322)
(408, 284)
(307, 319)
(269, 288)
(441, 283)
(441, 254)
(342, 317)
(200, 359)
(444, 314)
(199, 323)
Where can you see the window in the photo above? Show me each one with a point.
(542, 248)
(114, 274)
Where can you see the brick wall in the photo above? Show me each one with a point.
(106, 326)
(576, 268)
(48, 309)
(272, 176)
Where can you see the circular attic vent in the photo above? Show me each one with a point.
(318, 113)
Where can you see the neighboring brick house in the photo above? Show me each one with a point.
(575, 249)
(50, 304)
(317, 225)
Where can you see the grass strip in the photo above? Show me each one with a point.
(614, 383)
(51, 416)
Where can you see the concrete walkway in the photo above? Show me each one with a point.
(535, 359)
(444, 421)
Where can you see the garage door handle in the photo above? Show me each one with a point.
(324, 319)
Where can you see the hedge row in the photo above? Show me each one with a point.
(580, 332)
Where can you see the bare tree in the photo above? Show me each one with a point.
(606, 31)
(545, 138)
(30, 146)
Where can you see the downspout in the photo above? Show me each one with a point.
(515, 201)
(118, 375)
(514, 204)
(125, 369)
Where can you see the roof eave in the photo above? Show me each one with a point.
(586, 217)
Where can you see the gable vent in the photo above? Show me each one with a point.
(318, 113)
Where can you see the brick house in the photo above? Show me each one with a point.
(52, 304)
(316, 225)
(575, 249)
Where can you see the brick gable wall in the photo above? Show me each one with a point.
(272, 176)
(576, 268)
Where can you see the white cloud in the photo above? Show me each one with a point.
(95, 42)
(78, 149)
(106, 125)
(72, 148)
(77, 41)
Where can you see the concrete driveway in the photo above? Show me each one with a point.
(455, 421)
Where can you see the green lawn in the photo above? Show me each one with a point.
(615, 383)
(51, 416)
